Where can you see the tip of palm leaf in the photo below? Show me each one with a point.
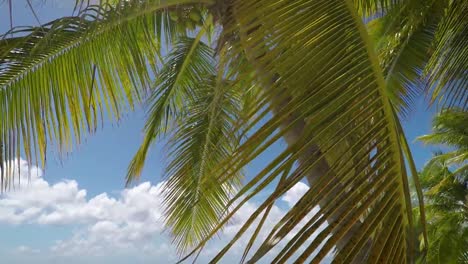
(136, 166)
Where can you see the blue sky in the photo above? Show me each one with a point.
(91, 182)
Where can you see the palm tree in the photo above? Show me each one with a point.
(446, 195)
(302, 71)
(446, 190)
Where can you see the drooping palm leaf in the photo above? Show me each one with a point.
(368, 8)
(420, 225)
(185, 68)
(447, 69)
(450, 129)
(423, 44)
(197, 107)
(321, 79)
(315, 59)
(195, 199)
(57, 79)
(446, 199)
(404, 37)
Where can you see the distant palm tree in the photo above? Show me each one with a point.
(450, 128)
(446, 196)
(299, 70)
(445, 183)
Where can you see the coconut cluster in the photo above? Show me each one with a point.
(187, 17)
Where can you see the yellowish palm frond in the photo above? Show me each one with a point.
(447, 68)
(322, 80)
(58, 80)
(315, 82)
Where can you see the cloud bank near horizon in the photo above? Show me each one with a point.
(129, 223)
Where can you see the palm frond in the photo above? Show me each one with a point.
(315, 81)
(195, 199)
(449, 128)
(404, 37)
(463, 257)
(446, 70)
(445, 195)
(417, 187)
(315, 61)
(368, 8)
(186, 66)
(198, 109)
(56, 80)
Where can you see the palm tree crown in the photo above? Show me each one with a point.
(445, 183)
(240, 76)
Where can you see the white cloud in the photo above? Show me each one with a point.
(295, 193)
(130, 222)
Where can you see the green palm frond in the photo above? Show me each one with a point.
(198, 109)
(404, 37)
(368, 8)
(314, 59)
(447, 69)
(422, 44)
(300, 71)
(186, 66)
(56, 80)
(195, 199)
(450, 129)
(420, 226)
(463, 257)
(446, 197)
